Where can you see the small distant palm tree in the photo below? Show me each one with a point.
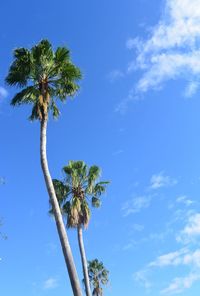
(98, 276)
(46, 76)
(80, 186)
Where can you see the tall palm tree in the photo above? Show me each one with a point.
(80, 186)
(98, 276)
(45, 76)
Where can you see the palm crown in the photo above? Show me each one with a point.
(98, 275)
(43, 75)
(80, 186)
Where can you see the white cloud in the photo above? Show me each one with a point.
(191, 89)
(178, 285)
(191, 230)
(3, 93)
(160, 180)
(184, 200)
(142, 278)
(192, 258)
(2, 180)
(133, 43)
(115, 75)
(135, 205)
(129, 246)
(187, 256)
(137, 227)
(173, 258)
(173, 48)
(50, 283)
(122, 107)
(117, 152)
(183, 256)
(193, 227)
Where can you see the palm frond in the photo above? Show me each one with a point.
(67, 170)
(61, 190)
(42, 52)
(100, 188)
(70, 72)
(20, 69)
(64, 88)
(55, 110)
(34, 113)
(61, 56)
(93, 175)
(27, 96)
(96, 202)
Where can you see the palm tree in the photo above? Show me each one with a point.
(98, 276)
(80, 186)
(45, 76)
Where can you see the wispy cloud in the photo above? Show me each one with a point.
(192, 229)
(187, 256)
(2, 180)
(136, 204)
(117, 152)
(122, 107)
(173, 258)
(160, 180)
(180, 284)
(50, 283)
(183, 257)
(3, 93)
(171, 50)
(137, 227)
(115, 75)
(141, 277)
(183, 199)
(191, 89)
(129, 245)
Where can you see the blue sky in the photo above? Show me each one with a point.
(137, 117)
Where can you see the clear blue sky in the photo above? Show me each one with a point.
(137, 117)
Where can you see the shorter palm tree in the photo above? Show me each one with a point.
(98, 276)
(80, 186)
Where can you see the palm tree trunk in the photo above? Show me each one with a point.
(84, 260)
(57, 214)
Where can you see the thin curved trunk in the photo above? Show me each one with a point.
(57, 214)
(84, 260)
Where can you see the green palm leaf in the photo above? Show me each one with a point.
(26, 96)
(49, 75)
